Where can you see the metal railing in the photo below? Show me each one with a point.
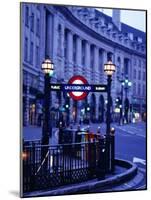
(46, 167)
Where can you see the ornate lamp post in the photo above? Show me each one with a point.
(121, 80)
(48, 69)
(109, 69)
(126, 84)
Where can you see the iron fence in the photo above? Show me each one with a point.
(46, 167)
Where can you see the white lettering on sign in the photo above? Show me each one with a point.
(56, 87)
(76, 88)
(99, 88)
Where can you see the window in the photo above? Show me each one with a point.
(134, 88)
(38, 27)
(32, 22)
(139, 89)
(139, 39)
(38, 7)
(135, 61)
(126, 66)
(144, 64)
(27, 16)
(139, 63)
(26, 50)
(130, 36)
(134, 74)
(139, 75)
(37, 56)
(144, 76)
(31, 52)
(143, 90)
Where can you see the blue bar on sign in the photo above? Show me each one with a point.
(78, 88)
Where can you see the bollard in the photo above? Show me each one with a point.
(101, 164)
(112, 134)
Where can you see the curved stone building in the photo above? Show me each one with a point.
(79, 40)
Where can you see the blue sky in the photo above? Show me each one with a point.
(133, 18)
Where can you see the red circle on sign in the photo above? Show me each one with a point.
(83, 81)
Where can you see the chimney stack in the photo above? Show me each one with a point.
(116, 15)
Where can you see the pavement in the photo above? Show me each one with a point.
(125, 172)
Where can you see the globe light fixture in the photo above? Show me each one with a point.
(106, 101)
(126, 80)
(67, 106)
(129, 83)
(123, 83)
(109, 68)
(48, 67)
(88, 108)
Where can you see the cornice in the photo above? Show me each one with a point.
(70, 17)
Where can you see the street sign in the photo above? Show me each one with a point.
(78, 87)
(82, 90)
(78, 92)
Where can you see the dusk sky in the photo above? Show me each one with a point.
(133, 18)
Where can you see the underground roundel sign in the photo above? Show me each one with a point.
(78, 95)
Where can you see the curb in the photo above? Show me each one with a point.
(86, 187)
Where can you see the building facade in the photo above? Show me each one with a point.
(79, 41)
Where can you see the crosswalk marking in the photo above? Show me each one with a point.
(139, 160)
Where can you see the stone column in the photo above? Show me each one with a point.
(79, 55)
(69, 54)
(55, 44)
(61, 69)
(104, 60)
(48, 50)
(87, 61)
(96, 64)
(62, 39)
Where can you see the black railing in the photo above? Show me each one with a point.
(62, 164)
